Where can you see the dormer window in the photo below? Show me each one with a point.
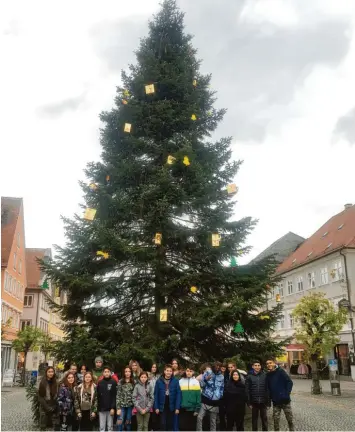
(309, 254)
(329, 245)
(324, 234)
(340, 226)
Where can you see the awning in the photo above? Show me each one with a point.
(295, 347)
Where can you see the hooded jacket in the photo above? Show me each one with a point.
(143, 397)
(212, 389)
(279, 385)
(174, 394)
(85, 398)
(124, 395)
(190, 394)
(65, 400)
(106, 394)
(256, 388)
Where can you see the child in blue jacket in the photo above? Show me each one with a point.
(167, 399)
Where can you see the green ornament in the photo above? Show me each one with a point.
(45, 284)
(233, 262)
(238, 328)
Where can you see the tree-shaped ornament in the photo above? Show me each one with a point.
(238, 328)
(45, 284)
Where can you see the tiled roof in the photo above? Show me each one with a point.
(10, 210)
(337, 233)
(32, 269)
(281, 248)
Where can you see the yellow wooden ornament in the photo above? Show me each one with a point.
(157, 239)
(194, 82)
(193, 117)
(278, 298)
(56, 292)
(127, 127)
(103, 254)
(264, 317)
(124, 101)
(163, 315)
(149, 89)
(93, 186)
(90, 214)
(232, 189)
(186, 161)
(216, 238)
(209, 113)
(126, 93)
(193, 289)
(107, 178)
(171, 160)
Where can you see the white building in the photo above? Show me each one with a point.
(325, 262)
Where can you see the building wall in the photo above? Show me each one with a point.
(334, 288)
(13, 280)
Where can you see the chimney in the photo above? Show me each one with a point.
(347, 206)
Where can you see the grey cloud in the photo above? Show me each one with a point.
(57, 109)
(256, 69)
(345, 127)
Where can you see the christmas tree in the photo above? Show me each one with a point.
(147, 269)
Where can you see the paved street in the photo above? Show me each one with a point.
(311, 413)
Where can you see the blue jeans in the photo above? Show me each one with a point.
(126, 418)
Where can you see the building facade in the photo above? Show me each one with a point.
(13, 276)
(325, 262)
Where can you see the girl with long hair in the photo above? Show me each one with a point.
(48, 400)
(66, 402)
(124, 400)
(85, 402)
(143, 401)
(235, 399)
(136, 370)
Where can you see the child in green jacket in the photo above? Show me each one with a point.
(191, 400)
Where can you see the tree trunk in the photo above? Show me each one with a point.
(23, 383)
(316, 388)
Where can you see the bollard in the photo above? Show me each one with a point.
(334, 377)
(335, 388)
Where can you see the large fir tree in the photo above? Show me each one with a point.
(160, 175)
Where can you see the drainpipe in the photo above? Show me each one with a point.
(349, 298)
(38, 298)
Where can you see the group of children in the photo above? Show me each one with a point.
(175, 400)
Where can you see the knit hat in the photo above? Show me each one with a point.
(99, 358)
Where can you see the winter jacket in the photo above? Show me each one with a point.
(113, 376)
(234, 395)
(48, 403)
(84, 398)
(106, 394)
(143, 397)
(174, 394)
(190, 394)
(65, 400)
(212, 389)
(124, 398)
(279, 385)
(256, 388)
(97, 372)
(227, 376)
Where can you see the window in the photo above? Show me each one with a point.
(15, 258)
(337, 272)
(282, 322)
(25, 323)
(289, 287)
(6, 282)
(300, 283)
(20, 266)
(43, 324)
(272, 292)
(291, 320)
(28, 301)
(324, 276)
(311, 280)
(44, 304)
(281, 289)
(18, 240)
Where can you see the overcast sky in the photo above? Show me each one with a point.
(284, 69)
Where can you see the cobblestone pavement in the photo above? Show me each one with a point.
(311, 413)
